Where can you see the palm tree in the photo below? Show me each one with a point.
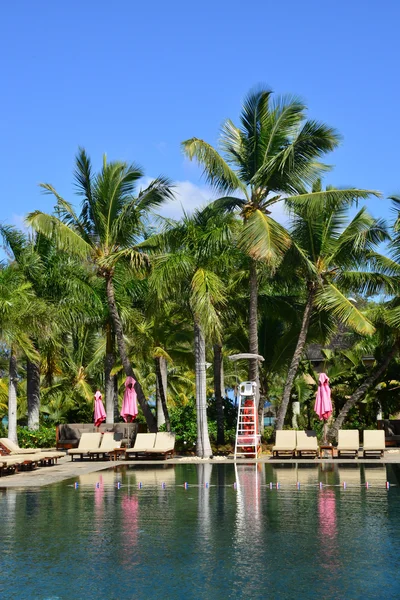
(272, 154)
(106, 232)
(57, 280)
(332, 256)
(186, 271)
(386, 318)
(19, 312)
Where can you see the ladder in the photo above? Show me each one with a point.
(248, 442)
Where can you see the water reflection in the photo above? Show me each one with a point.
(204, 472)
(200, 543)
(249, 479)
(130, 518)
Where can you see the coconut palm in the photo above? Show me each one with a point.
(57, 280)
(106, 232)
(386, 318)
(184, 270)
(332, 255)
(20, 312)
(272, 154)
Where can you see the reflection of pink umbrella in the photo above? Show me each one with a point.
(323, 403)
(130, 510)
(129, 408)
(327, 513)
(99, 412)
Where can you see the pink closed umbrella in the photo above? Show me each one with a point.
(129, 408)
(99, 412)
(323, 403)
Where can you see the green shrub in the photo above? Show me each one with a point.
(44, 437)
(184, 424)
(268, 434)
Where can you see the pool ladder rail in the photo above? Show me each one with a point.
(247, 442)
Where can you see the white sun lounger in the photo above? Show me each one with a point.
(108, 444)
(164, 444)
(285, 443)
(307, 443)
(374, 442)
(45, 457)
(143, 443)
(10, 447)
(88, 443)
(348, 442)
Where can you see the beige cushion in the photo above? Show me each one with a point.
(107, 444)
(348, 439)
(374, 440)
(144, 442)
(285, 440)
(89, 442)
(13, 448)
(165, 442)
(306, 440)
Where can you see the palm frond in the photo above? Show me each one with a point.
(329, 200)
(263, 238)
(215, 170)
(330, 298)
(63, 236)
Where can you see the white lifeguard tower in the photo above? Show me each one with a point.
(248, 441)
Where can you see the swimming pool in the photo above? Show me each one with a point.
(136, 532)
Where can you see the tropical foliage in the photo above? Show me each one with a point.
(108, 289)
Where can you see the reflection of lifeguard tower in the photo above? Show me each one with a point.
(248, 441)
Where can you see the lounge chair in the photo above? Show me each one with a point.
(374, 442)
(306, 443)
(348, 442)
(9, 464)
(164, 445)
(9, 447)
(88, 443)
(143, 442)
(45, 457)
(107, 444)
(285, 443)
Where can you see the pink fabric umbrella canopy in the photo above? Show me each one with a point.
(323, 404)
(129, 408)
(99, 412)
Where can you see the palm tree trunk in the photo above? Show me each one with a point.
(33, 393)
(108, 378)
(359, 393)
(161, 392)
(294, 365)
(203, 447)
(12, 397)
(115, 398)
(253, 328)
(264, 396)
(148, 415)
(218, 387)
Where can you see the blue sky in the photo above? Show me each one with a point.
(134, 79)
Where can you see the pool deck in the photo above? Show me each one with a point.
(67, 469)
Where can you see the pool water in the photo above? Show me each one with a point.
(136, 532)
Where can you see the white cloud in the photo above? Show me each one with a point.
(188, 197)
(19, 222)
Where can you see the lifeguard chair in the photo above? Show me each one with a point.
(248, 441)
